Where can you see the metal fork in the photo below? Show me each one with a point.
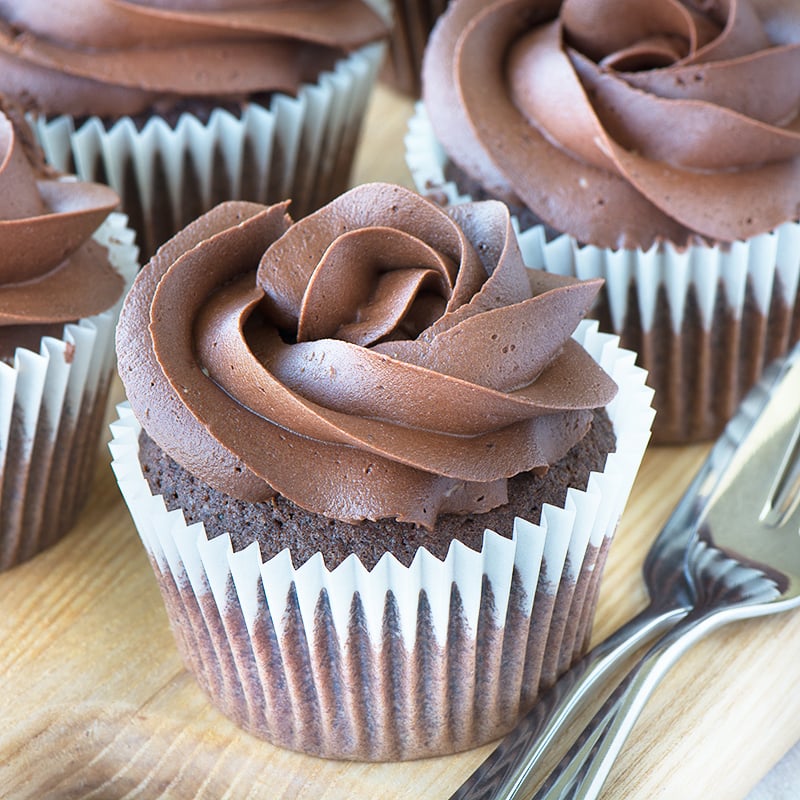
(745, 562)
(507, 773)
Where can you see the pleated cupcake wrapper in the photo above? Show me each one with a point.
(413, 23)
(397, 662)
(52, 408)
(652, 297)
(300, 148)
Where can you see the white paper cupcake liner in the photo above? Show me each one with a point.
(300, 148)
(705, 321)
(397, 662)
(52, 408)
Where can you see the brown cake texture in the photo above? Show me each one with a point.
(341, 694)
(278, 523)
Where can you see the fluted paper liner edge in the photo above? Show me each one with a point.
(397, 662)
(413, 22)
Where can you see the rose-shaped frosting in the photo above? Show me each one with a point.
(625, 122)
(50, 269)
(118, 57)
(379, 358)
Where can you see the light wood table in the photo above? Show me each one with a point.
(96, 704)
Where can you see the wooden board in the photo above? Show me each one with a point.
(96, 704)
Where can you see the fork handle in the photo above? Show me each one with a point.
(506, 771)
(582, 772)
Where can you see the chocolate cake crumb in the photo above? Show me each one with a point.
(278, 523)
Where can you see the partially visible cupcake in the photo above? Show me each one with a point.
(180, 105)
(659, 138)
(63, 270)
(413, 21)
(327, 420)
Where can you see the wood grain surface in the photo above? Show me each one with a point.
(96, 704)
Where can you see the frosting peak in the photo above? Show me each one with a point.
(400, 351)
(625, 122)
(50, 271)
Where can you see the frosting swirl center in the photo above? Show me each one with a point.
(625, 122)
(375, 283)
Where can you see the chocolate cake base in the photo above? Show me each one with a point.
(278, 523)
(699, 374)
(380, 683)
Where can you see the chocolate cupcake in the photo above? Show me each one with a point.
(181, 105)
(64, 268)
(376, 475)
(658, 140)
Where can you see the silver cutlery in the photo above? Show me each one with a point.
(674, 592)
(743, 562)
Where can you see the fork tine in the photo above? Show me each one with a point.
(760, 488)
(783, 502)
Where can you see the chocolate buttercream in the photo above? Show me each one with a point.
(50, 271)
(625, 122)
(380, 358)
(119, 57)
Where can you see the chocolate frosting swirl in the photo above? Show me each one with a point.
(379, 358)
(119, 57)
(625, 122)
(50, 269)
